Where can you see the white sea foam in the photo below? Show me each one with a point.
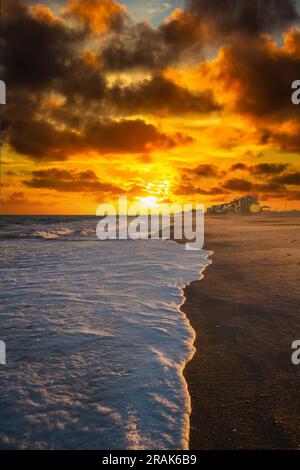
(96, 344)
(53, 234)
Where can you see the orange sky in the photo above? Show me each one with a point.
(196, 109)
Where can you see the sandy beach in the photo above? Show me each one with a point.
(245, 312)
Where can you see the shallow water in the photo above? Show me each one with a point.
(95, 338)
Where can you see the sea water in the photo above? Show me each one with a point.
(95, 339)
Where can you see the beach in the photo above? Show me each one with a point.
(115, 324)
(245, 312)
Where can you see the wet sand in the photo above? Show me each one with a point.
(244, 389)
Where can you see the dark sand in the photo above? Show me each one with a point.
(245, 391)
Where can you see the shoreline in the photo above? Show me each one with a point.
(244, 312)
(186, 437)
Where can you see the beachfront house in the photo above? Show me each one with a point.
(244, 205)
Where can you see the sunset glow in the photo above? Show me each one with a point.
(180, 105)
(149, 202)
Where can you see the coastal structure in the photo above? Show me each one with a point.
(242, 205)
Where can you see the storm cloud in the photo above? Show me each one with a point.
(69, 181)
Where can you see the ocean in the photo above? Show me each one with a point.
(95, 338)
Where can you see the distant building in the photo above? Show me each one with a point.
(242, 205)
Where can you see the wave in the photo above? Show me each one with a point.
(53, 234)
(56, 234)
(103, 323)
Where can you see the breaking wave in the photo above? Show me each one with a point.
(96, 339)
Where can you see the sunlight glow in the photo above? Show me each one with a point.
(149, 201)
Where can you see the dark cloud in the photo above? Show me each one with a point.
(237, 184)
(204, 170)
(189, 30)
(133, 136)
(69, 181)
(239, 166)
(259, 74)
(268, 168)
(161, 96)
(37, 47)
(82, 83)
(245, 186)
(43, 56)
(189, 177)
(285, 141)
(252, 17)
(40, 140)
(182, 32)
(275, 186)
(137, 46)
(261, 168)
(292, 178)
(42, 52)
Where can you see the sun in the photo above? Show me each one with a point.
(149, 202)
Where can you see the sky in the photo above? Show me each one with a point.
(164, 101)
(154, 11)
